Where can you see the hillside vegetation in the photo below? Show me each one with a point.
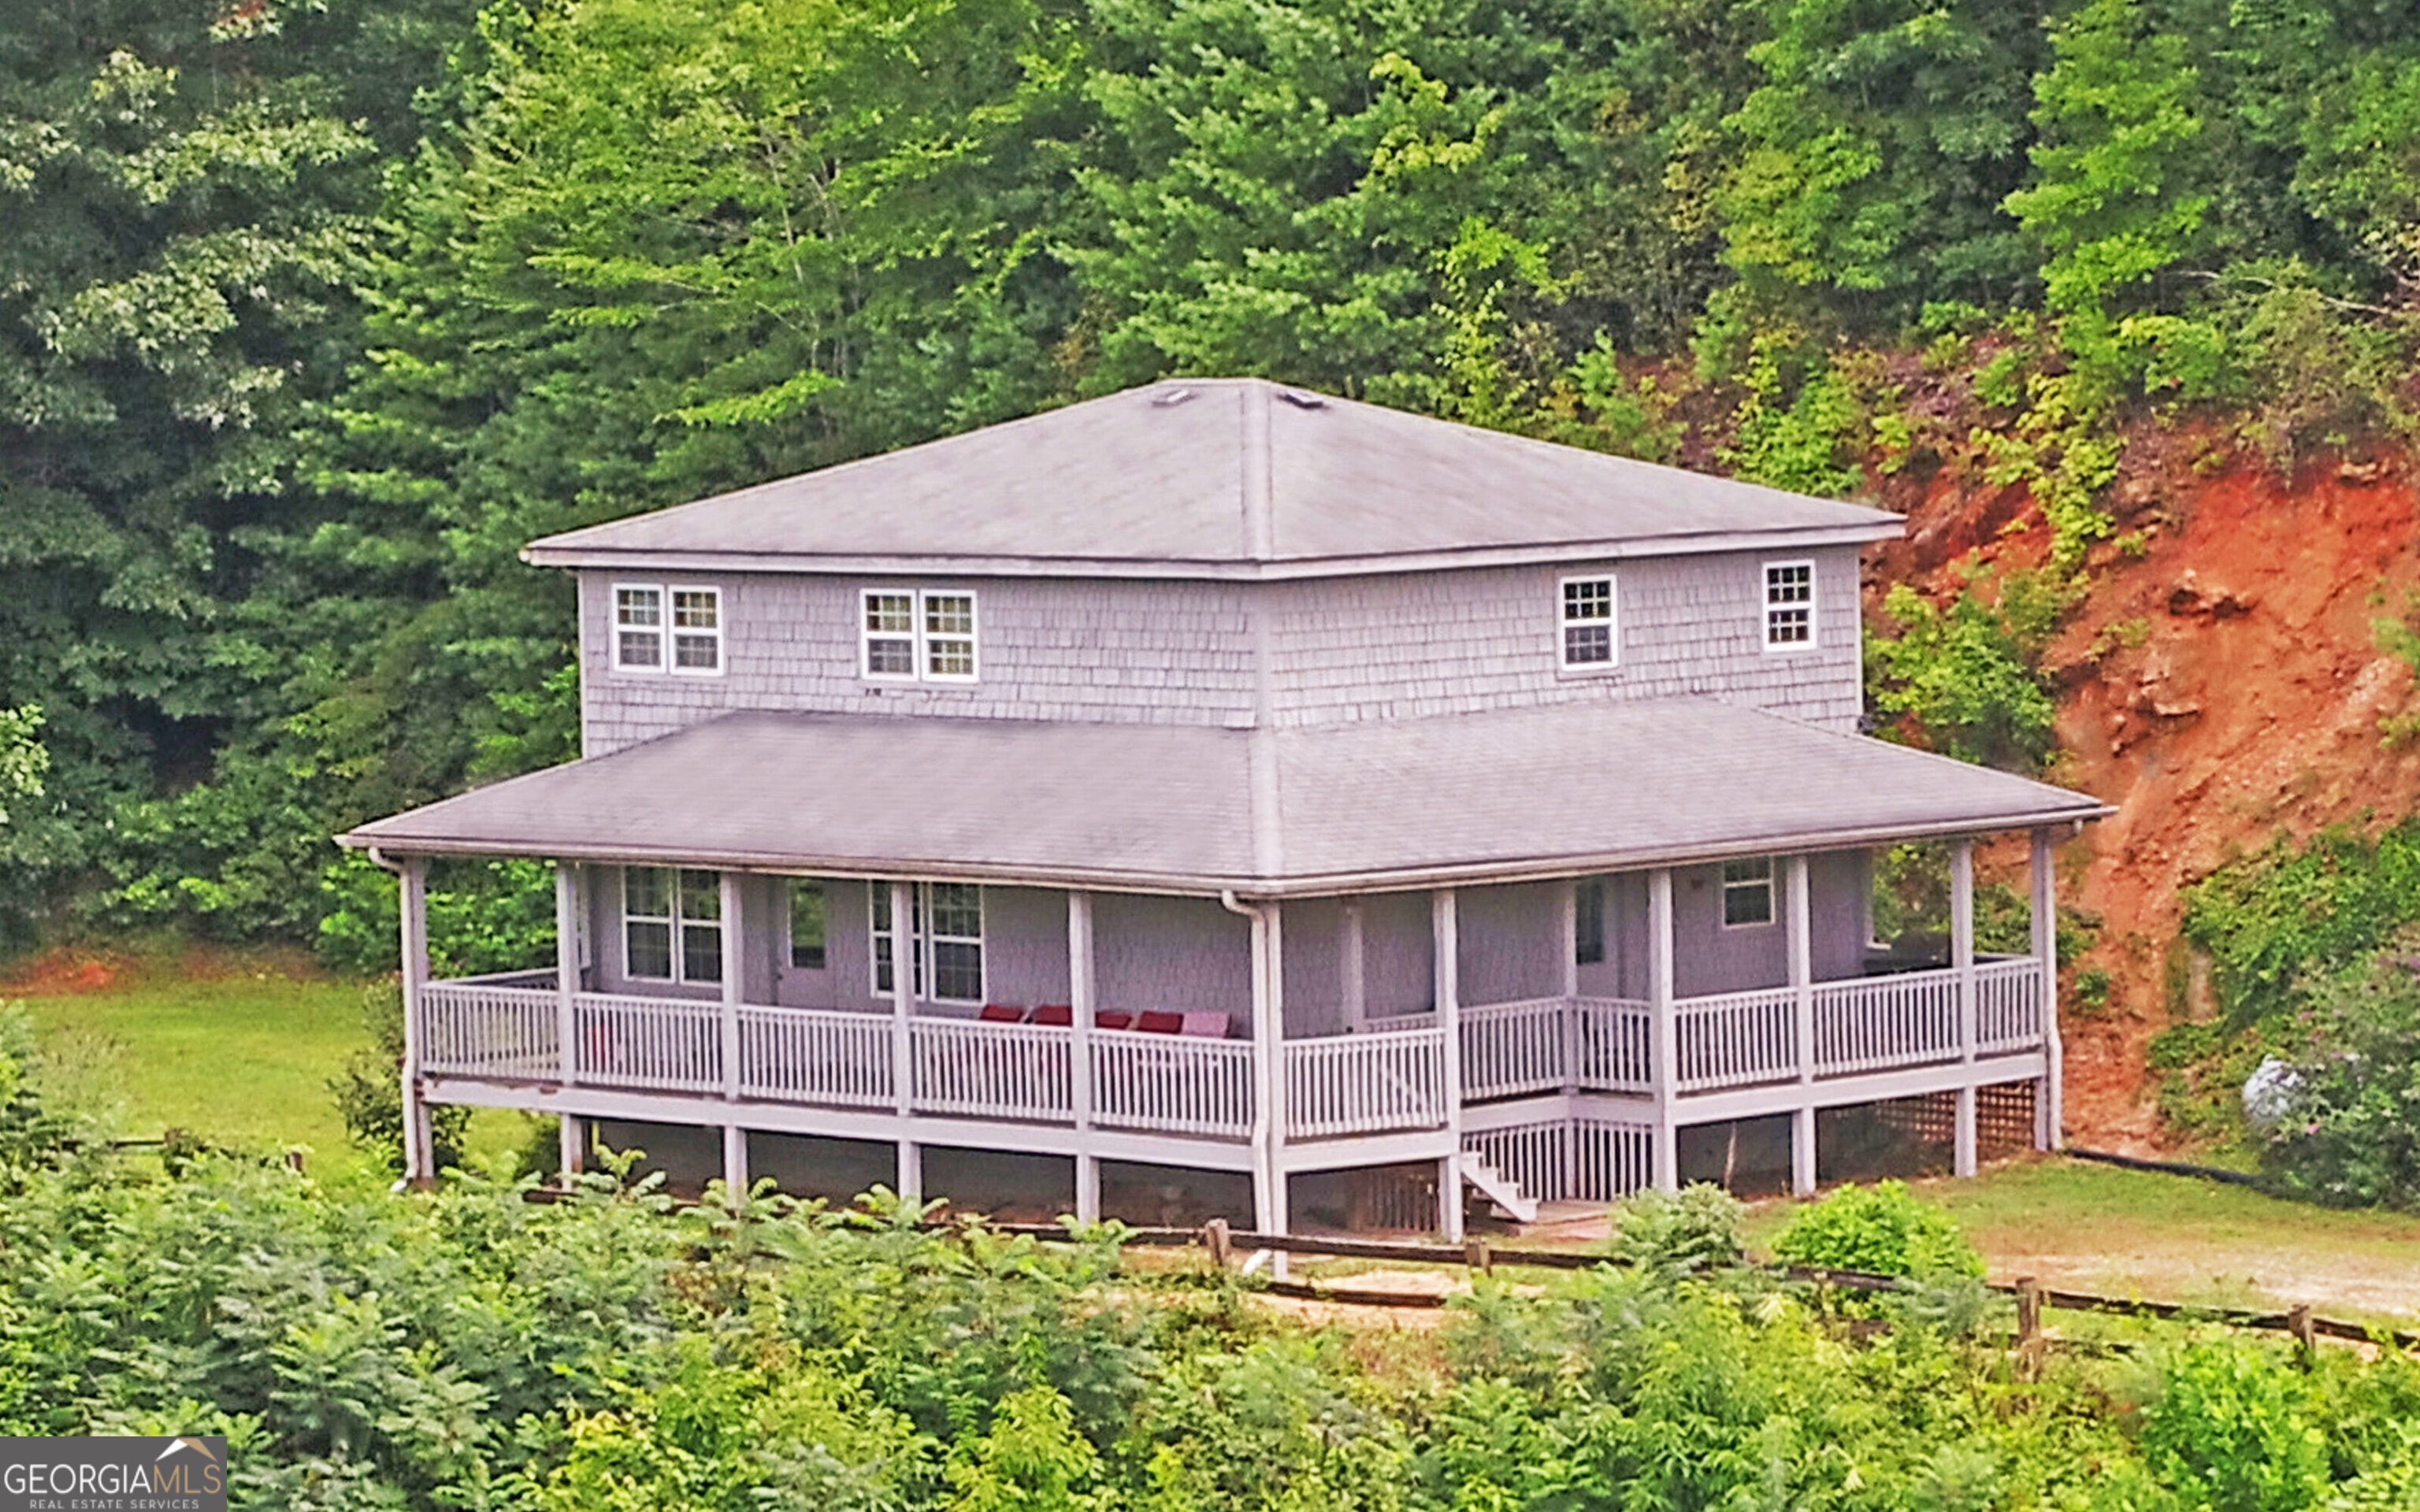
(314, 314)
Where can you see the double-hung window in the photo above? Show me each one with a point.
(1590, 643)
(917, 634)
(660, 628)
(1789, 605)
(1748, 892)
(944, 941)
(672, 924)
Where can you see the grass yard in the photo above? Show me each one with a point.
(234, 1047)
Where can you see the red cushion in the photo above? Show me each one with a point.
(1003, 1013)
(1113, 1018)
(1059, 1015)
(1156, 1022)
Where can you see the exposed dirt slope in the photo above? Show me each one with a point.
(2220, 687)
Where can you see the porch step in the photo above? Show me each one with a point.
(1498, 1188)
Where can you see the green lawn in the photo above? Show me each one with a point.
(238, 1055)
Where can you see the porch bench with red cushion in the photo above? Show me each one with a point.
(1002, 1013)
(1155, 1021)
(1113, 1018)
(1210, 1025)
(1055, 1015)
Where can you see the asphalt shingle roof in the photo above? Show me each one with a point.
(1566, 789)
(1214, 478)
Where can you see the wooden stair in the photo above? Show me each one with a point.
(1498, 1188)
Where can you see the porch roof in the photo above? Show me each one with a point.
(1563, 790)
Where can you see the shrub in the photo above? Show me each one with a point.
(2347, 1131)
(369, 1090)
(2234, 1423)
(1882, 1229)
(1697, 1230)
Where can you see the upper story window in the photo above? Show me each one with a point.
(672, 924)
(924, 635)
(658, 629)
(1590, 641)
(1788, 604)
(944, 940)
(1748, 892)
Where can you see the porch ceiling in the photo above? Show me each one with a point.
(1562, 790)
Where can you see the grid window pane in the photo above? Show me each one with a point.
(1586, 644)
(957, 970)
(957, 910)
(890, 614)
(950, 658)
(701, 897)
(650, 948)
(697, 653)
(1588, 599)
(647, 892)
(701, 952)
(697, 608)
(1748, 891)
(638, 607)
(1787, 626)
(641, 648)
(1790, 604)
(949, 615)
(1792, 584)
(807, 926)
(890, 658)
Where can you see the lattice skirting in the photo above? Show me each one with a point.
(1580, 1160)
(2004, 1118)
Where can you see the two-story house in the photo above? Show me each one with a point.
(1225, 783)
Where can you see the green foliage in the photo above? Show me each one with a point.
(1882, 1230)
(1962, 677)
(369, 1089)
(2235, 1426)
(1700, 1229)
(30, 1126)
(483, 916)
(2348, 1129)
(2294, 915)
(23, 760)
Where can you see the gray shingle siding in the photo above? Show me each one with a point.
(1106, 651)
(1378, 647)
(1408, 645)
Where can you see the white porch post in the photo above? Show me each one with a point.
(1961, 960)
(903, 1053)
(1445, 927)
(1668, 1037)
(1079, 1049)
(1268, 1069)
(733, 984)
(2050, 1131)
(571, 1146)
(734, 1164)
(567, 976)
(419, 1138)
(1568, 1021)
(1798, 915)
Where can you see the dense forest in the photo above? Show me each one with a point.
(311, 314)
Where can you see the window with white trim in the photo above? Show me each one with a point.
(806, 924)
(1589, 642)
(944, 940)
(656, 628)
(672, 924)
(1789, 605)
(1748, 892)
(920, 634)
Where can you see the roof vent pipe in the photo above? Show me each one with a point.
(1168, 398)
(1301, 400)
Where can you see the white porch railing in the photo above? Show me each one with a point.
(1015, 1072)
(1736, 1040)
(1179, 1085)
(655, 1042)
(477, 1029)
(803, 1054)
(1509, 1049)
(1381, 1079)
(2008, 1004)
(1365, 1083)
